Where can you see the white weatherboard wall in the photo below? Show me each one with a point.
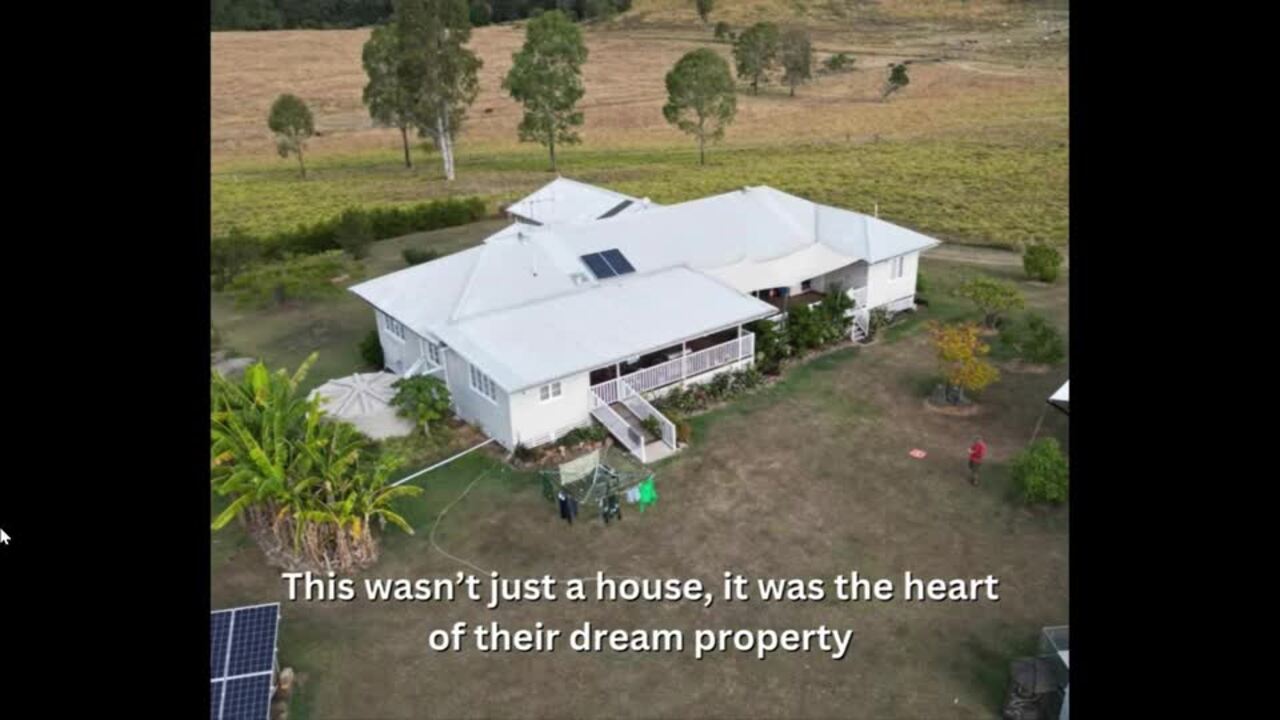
(882, 290)
(492, 417)
(398, 355)
(535, 421)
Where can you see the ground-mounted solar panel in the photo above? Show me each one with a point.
(215, 699)
(219, 637)
(247, 698)
(253, 640)
(618, 261)
(598, 266)
(242, 660)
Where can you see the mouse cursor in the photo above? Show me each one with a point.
(4, 537)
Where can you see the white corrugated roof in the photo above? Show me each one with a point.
(634, 314)
(748, 239)
(568, 201)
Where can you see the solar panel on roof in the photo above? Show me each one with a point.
(618, 261)
(598, 266)
(242, 659)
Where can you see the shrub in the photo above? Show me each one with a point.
(423, 399)
(1035, 340)
(590, 433)
(684, 431)
(523, 453)
(1041, 260)
(838, 63)
(1040, 472)
(652, 426)
(371, 350)
(922, 283)
(230, 254)
(962, 359)
(354, 233)
(877, 320)
(723, 31)
(382, 223)
(771, 345)
(292, 278)
(417, 256)
(993, 297)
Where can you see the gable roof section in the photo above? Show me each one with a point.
(567, 201)
(546, 340)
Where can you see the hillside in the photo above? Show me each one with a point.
(987, 106)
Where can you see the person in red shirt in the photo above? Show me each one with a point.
(977, 452)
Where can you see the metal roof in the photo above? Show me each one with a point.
(628, 316)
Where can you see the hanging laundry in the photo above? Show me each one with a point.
(573, 508)
(633, 494)
(565, 514)
(610, 509)
(648, 493)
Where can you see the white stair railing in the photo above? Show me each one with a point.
(620, 428)
(642, 409)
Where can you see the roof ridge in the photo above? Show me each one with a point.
(596, 284)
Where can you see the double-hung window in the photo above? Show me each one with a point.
(393, 326)
(433, 352)
(549, 392)
(482, 384)
(896, 267)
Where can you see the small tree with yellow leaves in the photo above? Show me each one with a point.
(961, 354)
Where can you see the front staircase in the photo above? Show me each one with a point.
(624, 420)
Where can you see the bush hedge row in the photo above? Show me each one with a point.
(383, 223)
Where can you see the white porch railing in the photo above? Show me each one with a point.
(620, 428)
(679, 369)
(422, 366)
(641, 408)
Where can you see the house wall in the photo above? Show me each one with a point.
(535, 422)
(492, 417)
(398, 355)
(897, 294)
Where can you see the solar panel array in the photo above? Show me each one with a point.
(242, 660)
(608, 264)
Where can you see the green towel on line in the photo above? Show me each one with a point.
(648, 493)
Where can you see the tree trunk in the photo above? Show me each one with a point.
(793, 91)
(446, 143)
(300, 163)
(702, 155)
(404, 138)
(552, 146)
(755, 84)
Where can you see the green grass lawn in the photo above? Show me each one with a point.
(985, 192)
(805, 477)
(332, 326)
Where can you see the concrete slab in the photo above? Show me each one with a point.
(364, 400)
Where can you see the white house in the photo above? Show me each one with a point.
(592, 302)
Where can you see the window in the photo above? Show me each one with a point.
(549, 392)
(806, 286)
(433, 352)
(393, 326)
(896, 267)
(483, 385)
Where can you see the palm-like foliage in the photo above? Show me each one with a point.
(298, 481)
